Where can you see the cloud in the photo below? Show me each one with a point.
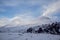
(4, 21)
(52, 11)
(53, 7)
(25, 18)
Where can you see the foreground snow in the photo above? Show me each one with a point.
(28, 36)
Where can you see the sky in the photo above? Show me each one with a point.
(23, 12)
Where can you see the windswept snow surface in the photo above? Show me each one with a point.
(28, 36)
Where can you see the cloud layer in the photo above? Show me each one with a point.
(23, 20)
(30, 9)
(51, 9)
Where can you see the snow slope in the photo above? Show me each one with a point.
(28, 36)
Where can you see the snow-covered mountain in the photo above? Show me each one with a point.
(17, 28)
(16, 25)
(26, 36)
(53, 28)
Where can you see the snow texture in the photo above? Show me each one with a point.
(28, 36)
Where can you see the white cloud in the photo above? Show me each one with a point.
(4, 21)
(53, 7)
(17, 20)
(51, 10)
(23, 19)
(27, 18)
